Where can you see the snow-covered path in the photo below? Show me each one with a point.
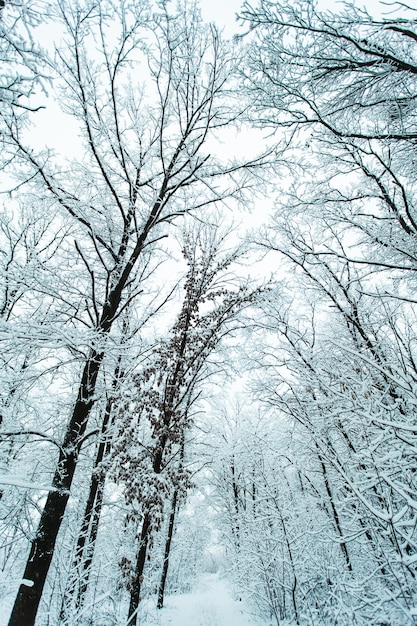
(211, 604)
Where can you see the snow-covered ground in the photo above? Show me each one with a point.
(211, 604)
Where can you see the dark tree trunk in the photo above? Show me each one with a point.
(42, 549)
(140, 566)
(235, 488)
(161, 590)
(171, 525)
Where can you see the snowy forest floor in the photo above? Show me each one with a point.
(210, 604)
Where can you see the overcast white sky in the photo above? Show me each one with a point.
(223, 12)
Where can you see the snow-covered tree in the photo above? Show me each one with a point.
(342, 87)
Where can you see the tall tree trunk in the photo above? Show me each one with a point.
(165, 566)
(235, 488)
(43, 545)
(140, 566)
(171, 525)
